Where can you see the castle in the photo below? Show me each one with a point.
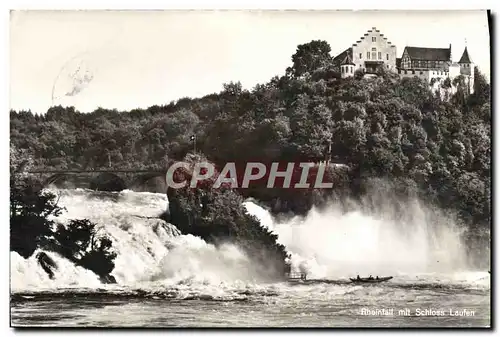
(434, 65)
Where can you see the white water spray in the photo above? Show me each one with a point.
(327, 243)
(335, 243)
(148, 249)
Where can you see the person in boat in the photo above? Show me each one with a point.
(370, 278)
(358, 278)
(376, 278)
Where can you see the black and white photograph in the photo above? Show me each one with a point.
(250, 168)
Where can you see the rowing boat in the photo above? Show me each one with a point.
(370, 280)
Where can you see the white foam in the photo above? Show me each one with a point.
(148, 249)
(334, 243)
(330, 243)
(27, 274)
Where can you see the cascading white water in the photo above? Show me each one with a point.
(332, 242)
(27, 274)
(148, 249)
(326, 243)
(193, 260)
(160, 272)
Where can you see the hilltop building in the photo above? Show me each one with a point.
(370, 52)
(374, 51)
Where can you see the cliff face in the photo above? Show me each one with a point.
(218, 216)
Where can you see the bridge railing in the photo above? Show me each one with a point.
(95, 171)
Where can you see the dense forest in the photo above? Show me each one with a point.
(379, 126)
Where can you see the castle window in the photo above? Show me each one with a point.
(421, 73)
(374, 55)
(387, 57)
(360, 56)
(374, 49)
(368, 55)
(379, 55)
(374, 39)
(341, 69)
(413, 72)
(406, 72)
(352, 70)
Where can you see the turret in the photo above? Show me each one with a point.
(467, 70)
(465, 63)
(347, 67)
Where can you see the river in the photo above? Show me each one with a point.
(166, 279)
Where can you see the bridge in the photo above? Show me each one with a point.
(108, 180)
(118, 179)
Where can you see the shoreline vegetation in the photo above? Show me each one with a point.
(434, 145)
(32, 227)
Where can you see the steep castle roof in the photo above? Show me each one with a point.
(465, 57)
(347, 60)
(429, 54)
(342, 56)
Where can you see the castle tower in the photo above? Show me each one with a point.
(465, 63)
(467, 69)
(347, 67)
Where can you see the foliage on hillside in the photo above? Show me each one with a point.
(381, 127)
(218, 216)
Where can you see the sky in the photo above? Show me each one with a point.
(135, 59)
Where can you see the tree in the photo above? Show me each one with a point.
(79, 242)
(482, 90)
(218, 216)
(309, 57)
(382, 126)
(359, 74)
(311, 127)
(31, 227)
(30, 207)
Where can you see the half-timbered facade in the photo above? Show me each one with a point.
(374, 51)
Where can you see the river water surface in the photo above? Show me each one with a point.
(166, 279)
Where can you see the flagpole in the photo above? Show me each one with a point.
(193, 138)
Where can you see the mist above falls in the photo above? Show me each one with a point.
(339, 241)
(379, 235)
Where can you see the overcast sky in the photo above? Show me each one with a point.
(126, 60)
